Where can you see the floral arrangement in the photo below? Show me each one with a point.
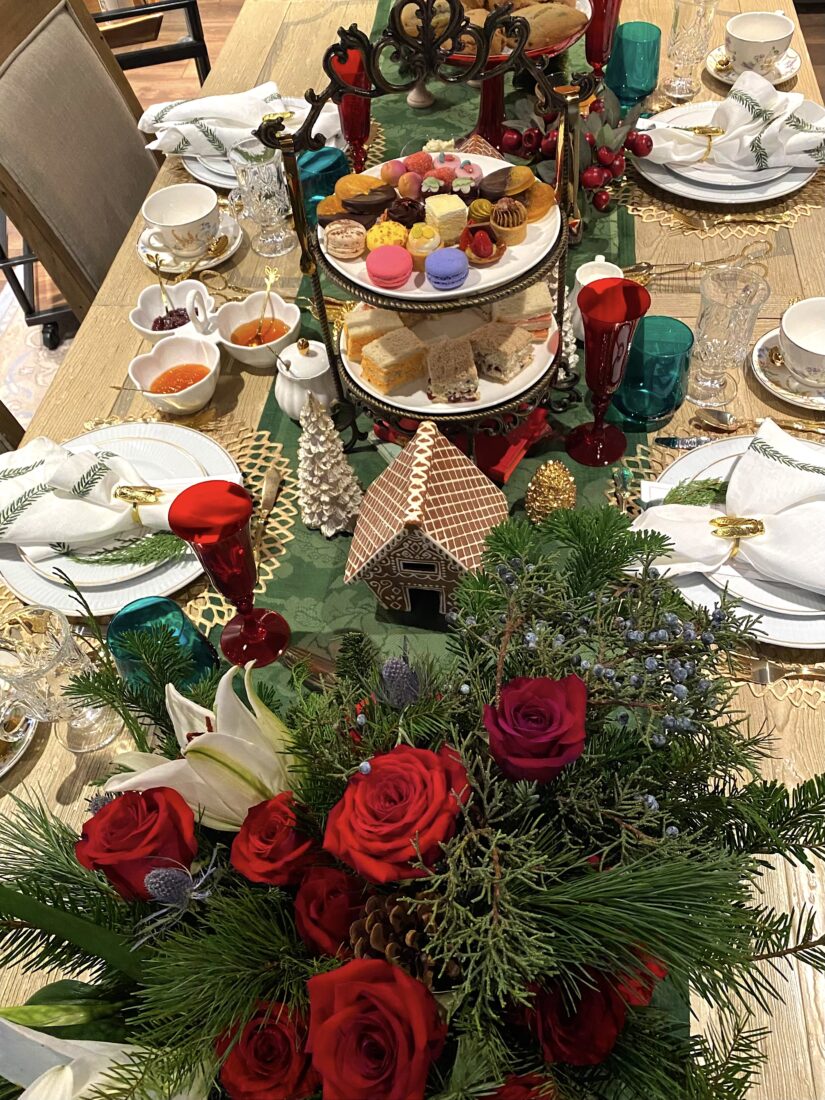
(499, 876)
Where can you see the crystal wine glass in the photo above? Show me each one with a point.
(354, 110)
(265, 195)
(688, 46)
(598, 38)
(610, 310)
(213, 517)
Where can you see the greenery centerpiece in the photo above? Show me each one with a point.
(490, 878)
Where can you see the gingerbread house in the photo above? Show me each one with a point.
(423, 522)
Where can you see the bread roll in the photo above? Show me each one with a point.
(551, 23)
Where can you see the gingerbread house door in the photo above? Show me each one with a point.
(411, 563)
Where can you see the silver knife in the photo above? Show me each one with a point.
(682, 442)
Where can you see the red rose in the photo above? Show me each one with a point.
(269, 848)
(581, 1033)
(538, 727)
(526, 1086)
(637, 989)
(268, 1061)
(409, 795)
(373, 1032)
(137, 833)
(327, 903)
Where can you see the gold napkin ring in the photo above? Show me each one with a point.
(709, 132)
(136, 495)
(736, 528)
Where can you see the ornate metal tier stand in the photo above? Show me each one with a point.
(418, 59)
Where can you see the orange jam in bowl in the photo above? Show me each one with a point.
(179, 378)
(246, 334)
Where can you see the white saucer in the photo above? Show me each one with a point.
(779, 380)
(171, 266)
(785, 68)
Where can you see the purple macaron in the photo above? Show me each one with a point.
(447, 268)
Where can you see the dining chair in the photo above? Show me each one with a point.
(74, 168)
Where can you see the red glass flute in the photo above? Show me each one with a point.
(354, 110)
(610, 310)
(213, 517)
(598, 38)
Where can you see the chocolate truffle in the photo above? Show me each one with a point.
(406, 212)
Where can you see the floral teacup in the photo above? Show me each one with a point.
(756, 40)
(183, 219)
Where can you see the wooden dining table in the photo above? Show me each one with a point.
(285, 40)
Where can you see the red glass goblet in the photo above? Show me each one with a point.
(598, 38)
(610, 310)
(213, 517)
(354, 110)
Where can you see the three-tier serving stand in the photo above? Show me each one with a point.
(415, 59)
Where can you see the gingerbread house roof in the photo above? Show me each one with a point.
(433, 487)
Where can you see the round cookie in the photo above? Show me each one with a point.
(389, 266)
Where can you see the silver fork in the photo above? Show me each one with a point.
(764, 671)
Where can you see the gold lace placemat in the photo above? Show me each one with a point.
(256, 453)
(647, 464)
(649, 203)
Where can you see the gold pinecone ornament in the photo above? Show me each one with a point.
(551, 487)
(394, 930)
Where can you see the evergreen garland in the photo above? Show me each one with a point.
(652, 841)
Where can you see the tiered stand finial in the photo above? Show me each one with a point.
(415, 59)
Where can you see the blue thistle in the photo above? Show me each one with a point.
(400, 683)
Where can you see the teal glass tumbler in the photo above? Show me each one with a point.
(146, 614)
(655, 381)
(633, 70)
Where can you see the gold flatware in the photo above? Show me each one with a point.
(215, 248)
(694, 220)
(273, 483)
(728, 422)
(270, 275)
(764, 671)
(154, 260)
(776, 357)
(723, 63)
(644, 272)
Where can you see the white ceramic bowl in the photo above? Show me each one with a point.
(233, 314)
(802, 340)
(150, 305)
(174, 351)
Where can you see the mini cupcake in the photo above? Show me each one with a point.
(464, 187)
(422, 241)
(384, 233)
(480, 211)
(469, 170)
(406, 212)
(509, 220)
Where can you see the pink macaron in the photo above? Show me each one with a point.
(389, 266)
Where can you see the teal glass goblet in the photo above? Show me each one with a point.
(147, 614)
(655, 381)
(633, 70)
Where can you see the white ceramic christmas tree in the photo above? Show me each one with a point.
(328, 493)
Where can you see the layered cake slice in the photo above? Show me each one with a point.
(452, 371)
(532, 309)
(362, 326)
(393, 359)
(501, 351)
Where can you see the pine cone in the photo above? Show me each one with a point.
(394, 930)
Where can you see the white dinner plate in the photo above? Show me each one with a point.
(413, 395)
(169, 265)
(689, 188)
(220, 166)
(788, 616)
(785, 68)
(32, 588)
(779, 380)
(519, 258)
(203, 173)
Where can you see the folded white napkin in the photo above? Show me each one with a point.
(780, 481)
(211, 126)
(50, 495)
(764, 128)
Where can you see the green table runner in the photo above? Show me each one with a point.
(308, 588)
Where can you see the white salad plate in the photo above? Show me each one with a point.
(695, 184)
(788, 615)
(518, 259)
(784, 69)
(202, 170)
(779, 381)
(171, 265)
(412, 396)
(32, 587)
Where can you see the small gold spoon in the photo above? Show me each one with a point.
(724, 421)
(213, 250)
(270, 275)
(154, 260)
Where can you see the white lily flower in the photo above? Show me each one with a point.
(63, 1069)
(236, 759)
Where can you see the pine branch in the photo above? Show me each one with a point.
(766, 818)
(160, 546)
(709, 490)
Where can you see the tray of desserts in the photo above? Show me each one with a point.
(436, 226)
(466, 361)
